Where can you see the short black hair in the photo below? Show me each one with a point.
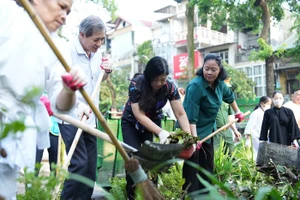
(213, 56)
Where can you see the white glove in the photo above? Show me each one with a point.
(247, 143)
(83, 109)
(106, 65)
(295, 142)
(163, 135)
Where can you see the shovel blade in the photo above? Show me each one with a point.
(151, 155)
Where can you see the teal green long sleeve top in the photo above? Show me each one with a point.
(202, 103)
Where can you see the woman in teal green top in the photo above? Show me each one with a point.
(204, 96)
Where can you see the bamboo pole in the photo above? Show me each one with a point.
(95, 132)
(221, 129)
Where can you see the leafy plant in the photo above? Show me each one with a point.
(170, 184)
(182, 137)
(118, 188)
(13, 127)
(40, 187)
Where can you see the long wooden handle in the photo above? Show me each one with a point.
(222, 128)
(40, 25)
(92, 131)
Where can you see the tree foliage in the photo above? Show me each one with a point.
(110, 6)
(240, 15)
(241, 84)
(294, 52)
(144, 53)
(119, 78)
(245, 16)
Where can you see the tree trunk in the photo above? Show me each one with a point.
(265, 35)
(112, 92)
(270, 75)
(265, 19)
(189, 13)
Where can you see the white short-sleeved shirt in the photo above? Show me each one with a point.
(91, 68)
(295, 108)
(26, 63)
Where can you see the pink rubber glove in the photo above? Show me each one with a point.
(187, 153)
(199, 145)
(74, 80)
(106, 65)
(47, 104)
(239, 116)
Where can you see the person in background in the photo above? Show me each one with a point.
(148, 93)
(279, 124)
(203, 99)
(253, 127)
(294, 105)
(26, 54)
(85, 54)
(225, 115)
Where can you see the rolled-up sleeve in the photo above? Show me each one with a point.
(191, 103)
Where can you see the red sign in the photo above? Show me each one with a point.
(181, 62)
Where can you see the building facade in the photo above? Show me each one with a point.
(168, 33)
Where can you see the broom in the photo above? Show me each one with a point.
(146, 186)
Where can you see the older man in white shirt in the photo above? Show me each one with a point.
(85, 54)
(294, 105)
(26, 63)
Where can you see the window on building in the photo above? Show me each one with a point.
(257, 69)
(223, 54)
(248, 71)
(258, 75)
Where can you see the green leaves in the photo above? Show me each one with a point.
(13, 127)
(118, 188)
(110, 6)
(263, 53)
(120, 82)
(241, 84)
(145, 52)
(182, 137)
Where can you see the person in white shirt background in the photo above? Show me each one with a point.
(86, 54)
(253, 126)
(25, 72)
(294, 105)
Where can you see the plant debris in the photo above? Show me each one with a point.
(181, 137)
